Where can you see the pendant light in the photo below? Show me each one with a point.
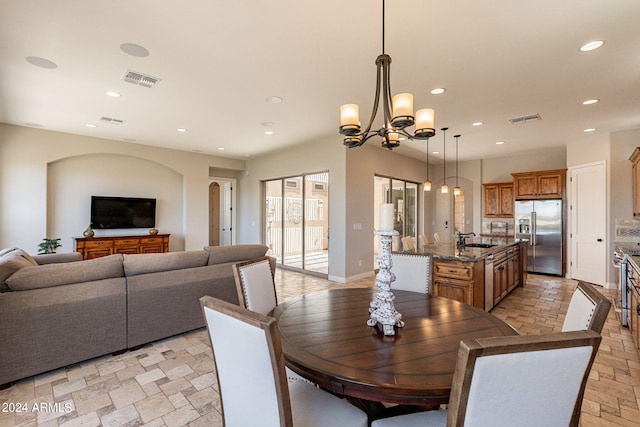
(427, 184)
(445, 188)
(456, 190)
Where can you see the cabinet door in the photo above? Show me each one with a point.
(636, 188)
(550, 185)
(634, 318)
(506, 200)
(452, 290)
(526, 186)
(491, 201)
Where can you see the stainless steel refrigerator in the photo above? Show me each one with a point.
(540, 222)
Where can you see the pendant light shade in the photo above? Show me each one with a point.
(456, 190)
(445, 188)
(427, 184)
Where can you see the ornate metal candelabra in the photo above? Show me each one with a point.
(381, 308)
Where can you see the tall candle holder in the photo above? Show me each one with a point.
(381, 308)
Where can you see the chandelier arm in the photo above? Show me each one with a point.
(376, 103)
(386, 92)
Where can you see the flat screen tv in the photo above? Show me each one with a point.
(122, 212)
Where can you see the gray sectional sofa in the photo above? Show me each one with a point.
(56, 310)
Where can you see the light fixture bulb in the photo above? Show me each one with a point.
(457, 191)
(444, 189)
(426, 186)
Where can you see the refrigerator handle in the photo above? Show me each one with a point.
(534, 232)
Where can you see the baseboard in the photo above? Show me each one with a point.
(351, 278)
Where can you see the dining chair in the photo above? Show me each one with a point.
(588, 309)
(256, 289)
(407, 244)
(436, 237)
(249, 365)
(411, 272)
(423, 240)
(523, 380)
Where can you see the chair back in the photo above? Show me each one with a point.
(523, 380)
(423, 240)
(255, 285)
(588, 309)
(411, 272)
(436, 237)
(407, 244)
(249, 364)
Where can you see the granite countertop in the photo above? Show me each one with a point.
(448, 250)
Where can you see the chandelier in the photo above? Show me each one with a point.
(398, 112)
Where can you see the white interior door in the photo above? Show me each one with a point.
(588, 223)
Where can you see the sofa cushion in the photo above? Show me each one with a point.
(57, 258)
(235, 253)
(49, 275)
(152, 263)
(12, 260)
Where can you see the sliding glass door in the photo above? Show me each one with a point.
(296, 221)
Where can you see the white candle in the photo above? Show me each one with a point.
(386, 217)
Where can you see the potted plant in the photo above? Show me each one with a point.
(48, 246)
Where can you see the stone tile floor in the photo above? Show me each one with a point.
(172, 382)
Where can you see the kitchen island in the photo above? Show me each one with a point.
(481, 273)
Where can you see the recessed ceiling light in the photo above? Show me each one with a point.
(590, 101)
(91, 125)
(134, 50)
(592, 45)
(438, 91)
(273, 99)
(181, 130)
(41, 62)
(590, 130)
(113, 93)
(477, 124)
(268, 132)
(220, 148)
(267, 124)
(436, 152)
(499, 142)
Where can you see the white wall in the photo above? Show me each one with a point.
(26, 156)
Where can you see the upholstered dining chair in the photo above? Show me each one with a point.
(257, 290)
(423, 240)
(523, 380)
(249, 364)
(588, 309)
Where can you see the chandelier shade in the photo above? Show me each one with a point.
(398, 112)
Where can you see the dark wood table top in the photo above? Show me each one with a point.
(325, 338)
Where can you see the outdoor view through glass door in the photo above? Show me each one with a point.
(296, 221)
(404, 197)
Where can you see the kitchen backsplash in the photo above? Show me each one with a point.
(627, 230)
(501, 227)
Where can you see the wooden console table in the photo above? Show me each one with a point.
(95, 247)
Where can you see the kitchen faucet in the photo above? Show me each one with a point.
(462, 239)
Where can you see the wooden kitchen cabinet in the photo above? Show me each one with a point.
(635, 180)
(498, 200)
(634, 316)
(548, 184)
(459, 280)
(96, 247)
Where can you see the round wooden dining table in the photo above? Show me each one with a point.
(325, 338)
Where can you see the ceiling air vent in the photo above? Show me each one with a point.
(525, 119)
(140, 79)
(112, 121)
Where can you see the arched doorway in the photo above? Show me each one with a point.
(221, 213)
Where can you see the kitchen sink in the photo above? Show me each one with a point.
(479, 245)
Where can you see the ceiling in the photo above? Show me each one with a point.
(218, 61)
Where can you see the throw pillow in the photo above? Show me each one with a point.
(11, 261)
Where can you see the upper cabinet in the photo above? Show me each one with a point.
(498, 200)
(635, 180)
(539, 185)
